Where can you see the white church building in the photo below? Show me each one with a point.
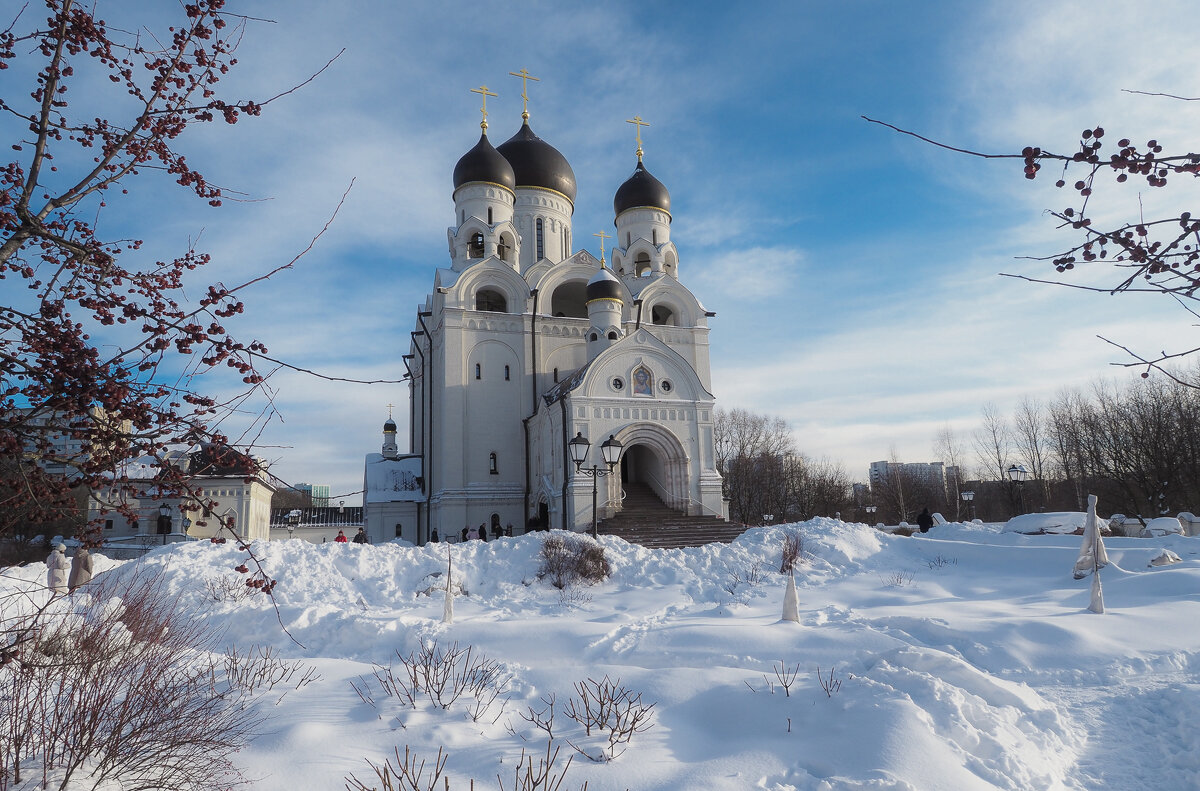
(525, 343)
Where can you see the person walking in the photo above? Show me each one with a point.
(361, 537)
(483, 532)
(924, 520)
(81, 569)
(56, 569)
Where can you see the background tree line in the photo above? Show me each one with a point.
(765, 474)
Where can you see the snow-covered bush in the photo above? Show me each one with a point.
(571, 559)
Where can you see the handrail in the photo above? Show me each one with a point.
(687, 499)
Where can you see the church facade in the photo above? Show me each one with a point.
(526, 343)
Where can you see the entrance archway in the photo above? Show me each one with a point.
(655, 457)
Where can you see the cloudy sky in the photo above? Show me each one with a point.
(854, 271)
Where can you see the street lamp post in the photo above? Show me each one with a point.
(969, 499)
(1018, 474)
(164, 521)
(870, 509)
(611, 450)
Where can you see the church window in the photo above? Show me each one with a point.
(489, 215)
(475, 247)
(628, 239)
(478, 371)
(665, 385)
(495, 524)
(541, 240)
(612, 336)
(556, 374)
(593, 337)
(567, 241)
(504, 248)
(506, 376)
(108, 524)
(653, 232)
(661, 314)
(492, 464)
(399, 528)
(641, 265)
(618, 383)
(490, 300)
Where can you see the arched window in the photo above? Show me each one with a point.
(489, 215)
(475, 246)
(661, 314)
(399, 530)
(490, 300)
(612, 335)
(506, 377)
(653, 231)
(492, 464)
(504, 249)
(593, 337)
(641, 264)
(495, 524)
(478, 371)
(556, 374)
(541, 241)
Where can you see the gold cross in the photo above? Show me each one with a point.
(485, 93)
(638, 123)
(525, 78)
(389, 406)
(602, 236)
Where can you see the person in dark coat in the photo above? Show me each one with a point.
(433, 539)
(361, 537)
(483, 532)
(924, 520)
(466, 530)
(81, 570)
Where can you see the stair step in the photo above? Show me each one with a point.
(644, 519)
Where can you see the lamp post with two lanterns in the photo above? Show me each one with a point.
(969, 498)
(1018, 474)
(610, 449)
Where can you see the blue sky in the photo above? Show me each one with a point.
(854, 272)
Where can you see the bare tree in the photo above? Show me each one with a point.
(1031, 438)
(947, 448)
(1158, 254)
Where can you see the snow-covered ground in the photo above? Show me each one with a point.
(966, 657)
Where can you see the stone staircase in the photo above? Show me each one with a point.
(645, 520)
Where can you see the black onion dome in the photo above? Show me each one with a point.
(604, 285)
(484, 163)
(641, 189)
(537, 163)
(390, 425)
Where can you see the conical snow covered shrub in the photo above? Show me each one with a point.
(791, 601)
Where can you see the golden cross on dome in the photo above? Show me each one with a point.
(525, 78)
(389, 406)
(602, 236)
(638, 123)
(485, 93)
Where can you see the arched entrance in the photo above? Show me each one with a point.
(654, 462)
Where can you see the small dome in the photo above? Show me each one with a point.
(484, 163)
(537, 163)
(390, 425)
(641, 189)
(604, 285)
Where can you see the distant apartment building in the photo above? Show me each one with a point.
(318, 492)
(933, 474)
